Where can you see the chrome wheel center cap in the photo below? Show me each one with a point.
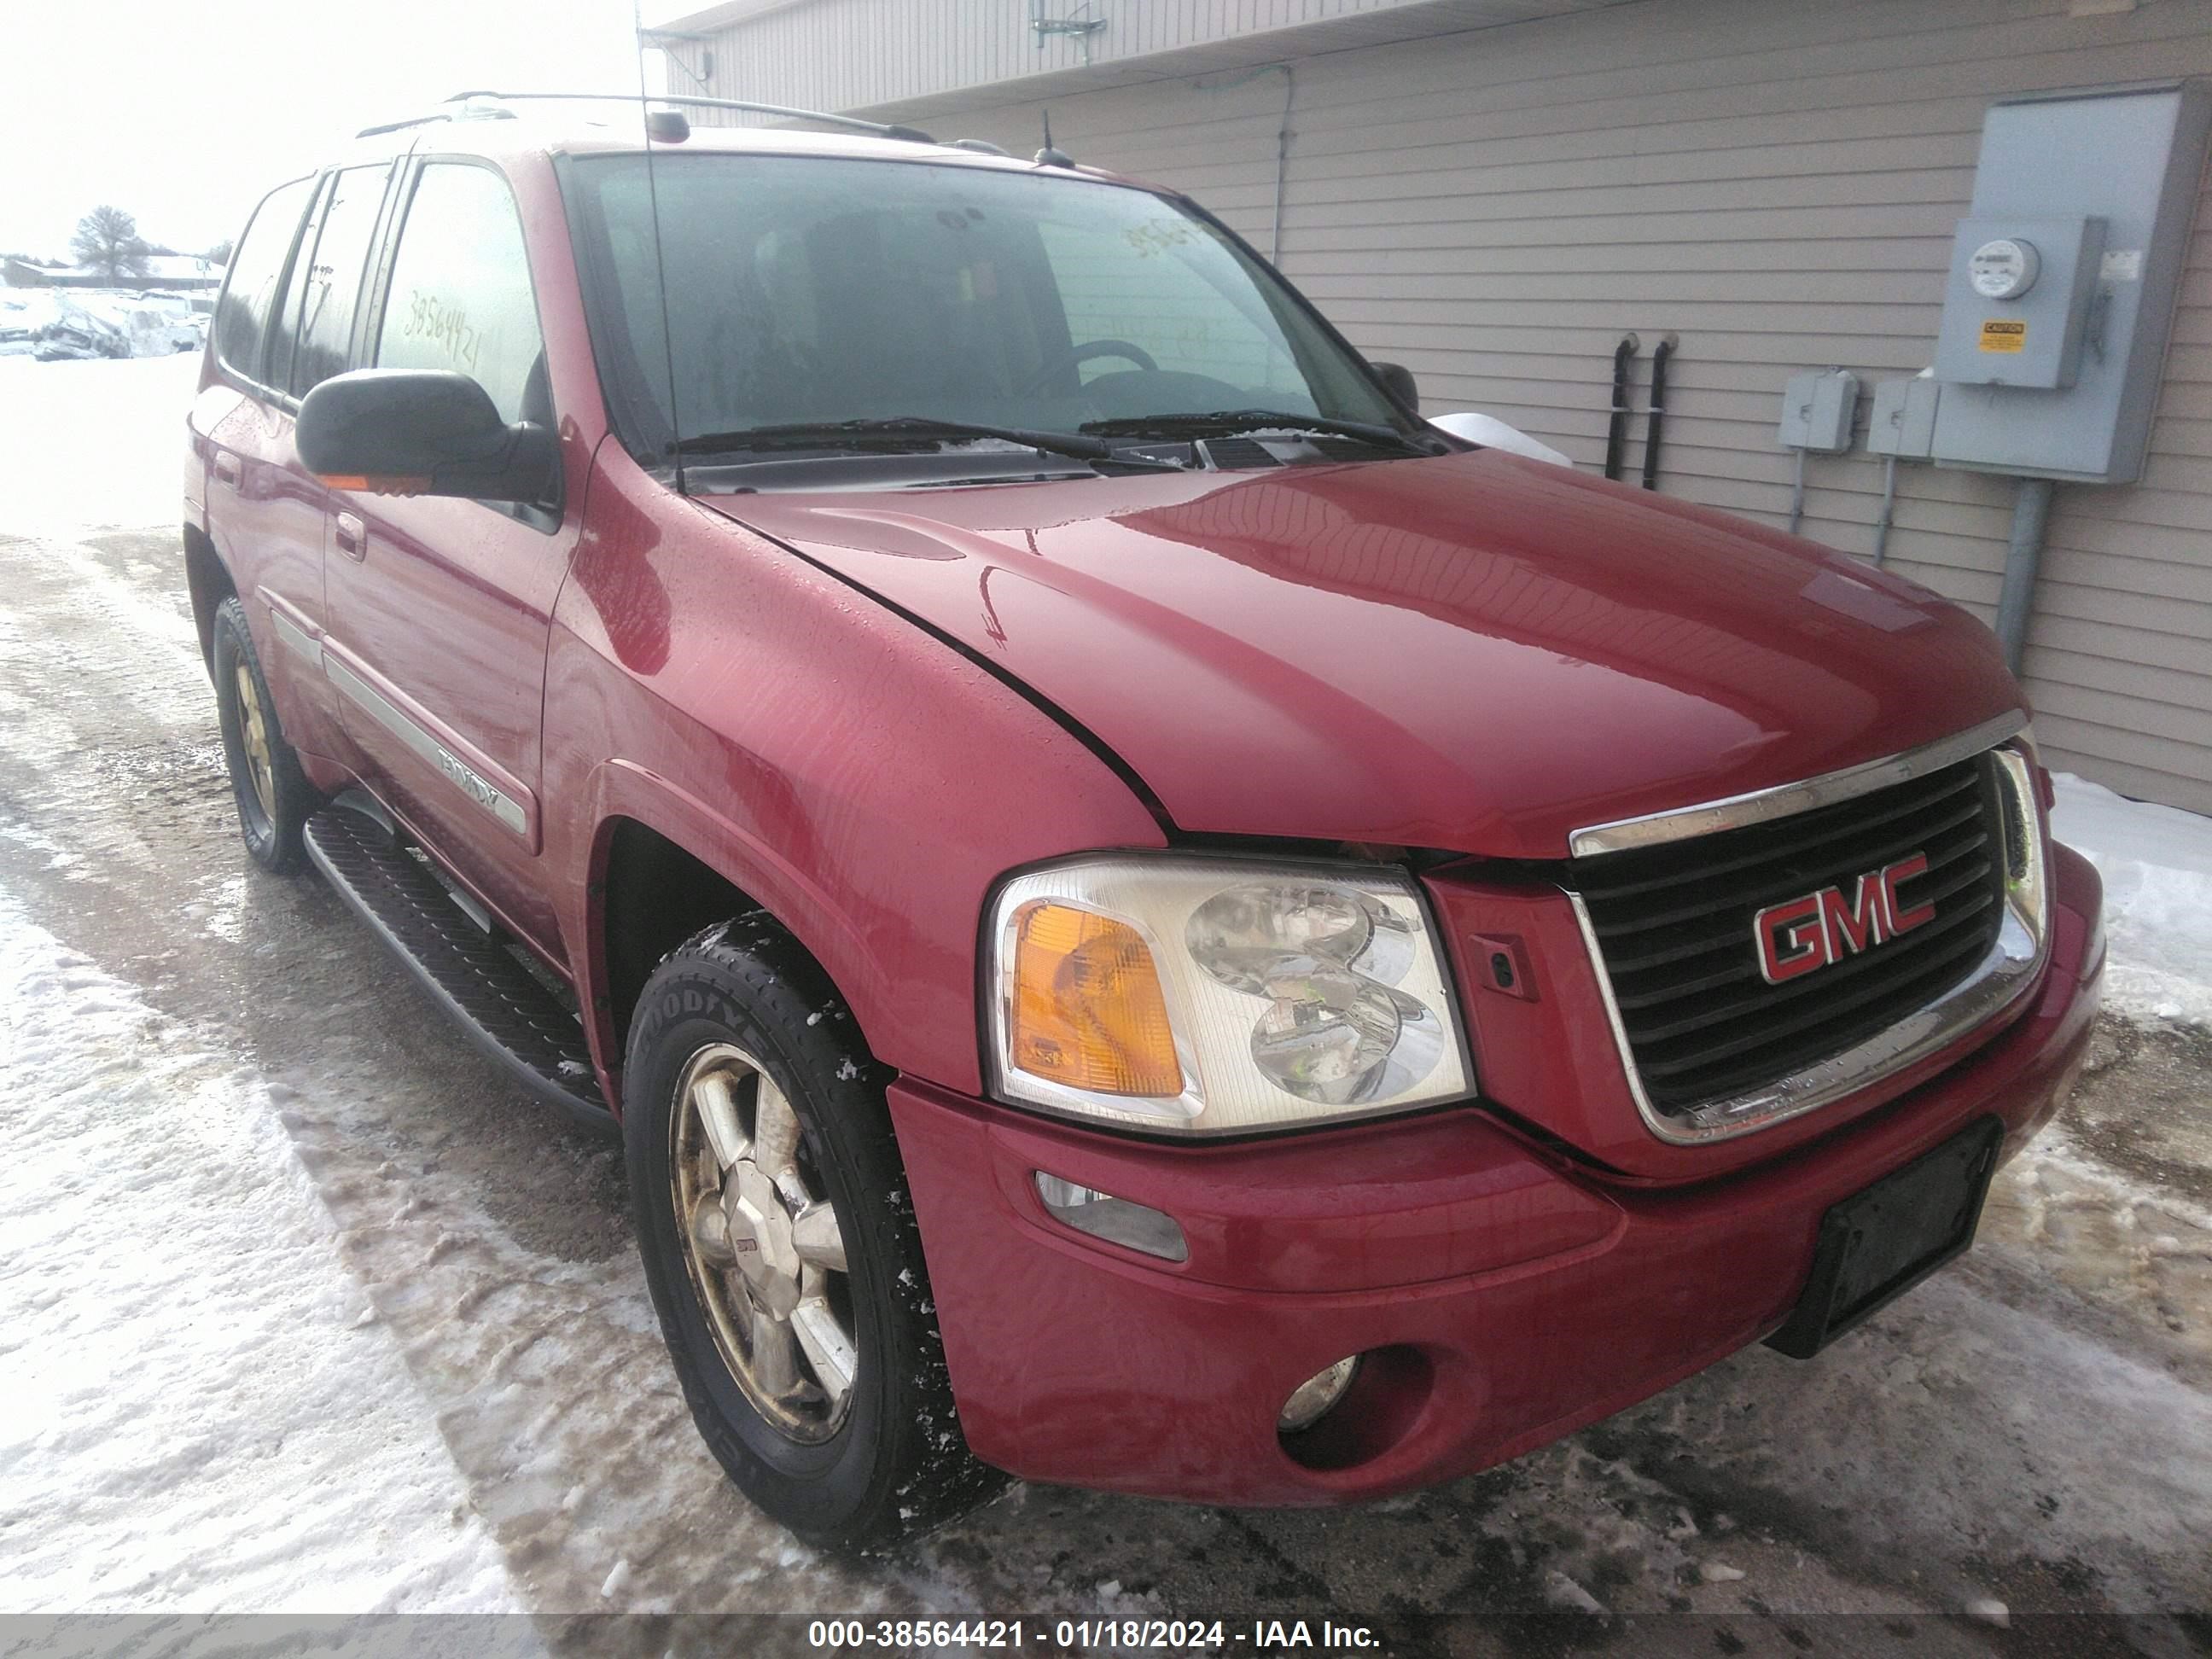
(760, 1236)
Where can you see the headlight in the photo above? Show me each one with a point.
(1205, 996)
(2027, 889)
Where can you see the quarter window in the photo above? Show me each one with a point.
(460, 290)
(330, 290)
(241, 320)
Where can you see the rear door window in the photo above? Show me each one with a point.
(460, 295)
(257, 270)
(327, 292)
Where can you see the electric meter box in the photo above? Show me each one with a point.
(2063, 279)
(1817, 407)
(2018, 301)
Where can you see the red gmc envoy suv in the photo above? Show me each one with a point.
(1148, 918)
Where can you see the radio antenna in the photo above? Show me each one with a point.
(1050, 156)
(659, 252)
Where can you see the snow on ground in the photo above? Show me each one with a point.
(1948, 1434)
(2157, 866)
(203, 1415)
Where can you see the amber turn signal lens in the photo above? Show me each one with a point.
(1087, 1009)
(377, 484)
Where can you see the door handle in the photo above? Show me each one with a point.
(229, 468)
(353, 537)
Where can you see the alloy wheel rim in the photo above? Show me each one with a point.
(253, 734)
(763, 1246)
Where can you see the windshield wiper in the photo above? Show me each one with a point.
(1228, 423)
(908, 429)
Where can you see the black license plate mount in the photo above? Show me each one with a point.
(1880, 1241)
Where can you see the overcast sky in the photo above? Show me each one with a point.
(185, 115)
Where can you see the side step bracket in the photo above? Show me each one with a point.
(506, 1012)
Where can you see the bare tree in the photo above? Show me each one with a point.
(219, 254)
(106, 242)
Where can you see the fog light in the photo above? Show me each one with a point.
(1312, 1400)
(1117, 1220)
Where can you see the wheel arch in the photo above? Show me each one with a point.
(652, 894)
(663, 866)
(209, 582)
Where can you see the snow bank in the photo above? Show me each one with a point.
(2157, 866)
(204, 1414)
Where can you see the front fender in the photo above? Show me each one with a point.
(857, 778)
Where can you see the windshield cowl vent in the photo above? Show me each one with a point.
(1236, 455)
(1341, 449)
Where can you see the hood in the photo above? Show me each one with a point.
(1476, 652)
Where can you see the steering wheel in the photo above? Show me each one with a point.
(1083, 354)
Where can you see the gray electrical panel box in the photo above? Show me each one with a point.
(1902, 421)
(1817, 407)
(2062, 281)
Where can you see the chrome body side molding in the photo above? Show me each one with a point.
(457, 772)
(366, 697)
(296, 639)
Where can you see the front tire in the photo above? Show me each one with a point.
(273, 797)
(781, 1246)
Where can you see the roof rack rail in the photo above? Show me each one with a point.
(401, 126)
(911, 135)
(451, 111)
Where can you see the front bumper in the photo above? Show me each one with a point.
(1504, 1294)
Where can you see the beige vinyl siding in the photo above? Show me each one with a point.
(845, 54)
(1775, 181)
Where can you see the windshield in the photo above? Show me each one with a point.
(806, 290)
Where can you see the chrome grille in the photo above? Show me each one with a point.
(1674, 928)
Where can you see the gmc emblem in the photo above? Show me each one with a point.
(1798, 935)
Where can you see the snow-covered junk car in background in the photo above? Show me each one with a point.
(1150, 919)
(76, 332)
(56, 325)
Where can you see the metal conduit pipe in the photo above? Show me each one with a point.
(1282, 165)
(1616, 431)
(1888, 513)
(1283, 136)
(1656, 422)
(2031, 513)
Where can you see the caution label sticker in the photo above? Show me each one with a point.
(2004, 334)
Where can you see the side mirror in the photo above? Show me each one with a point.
(423, 431)
(1398, 380)
(1488, 432)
